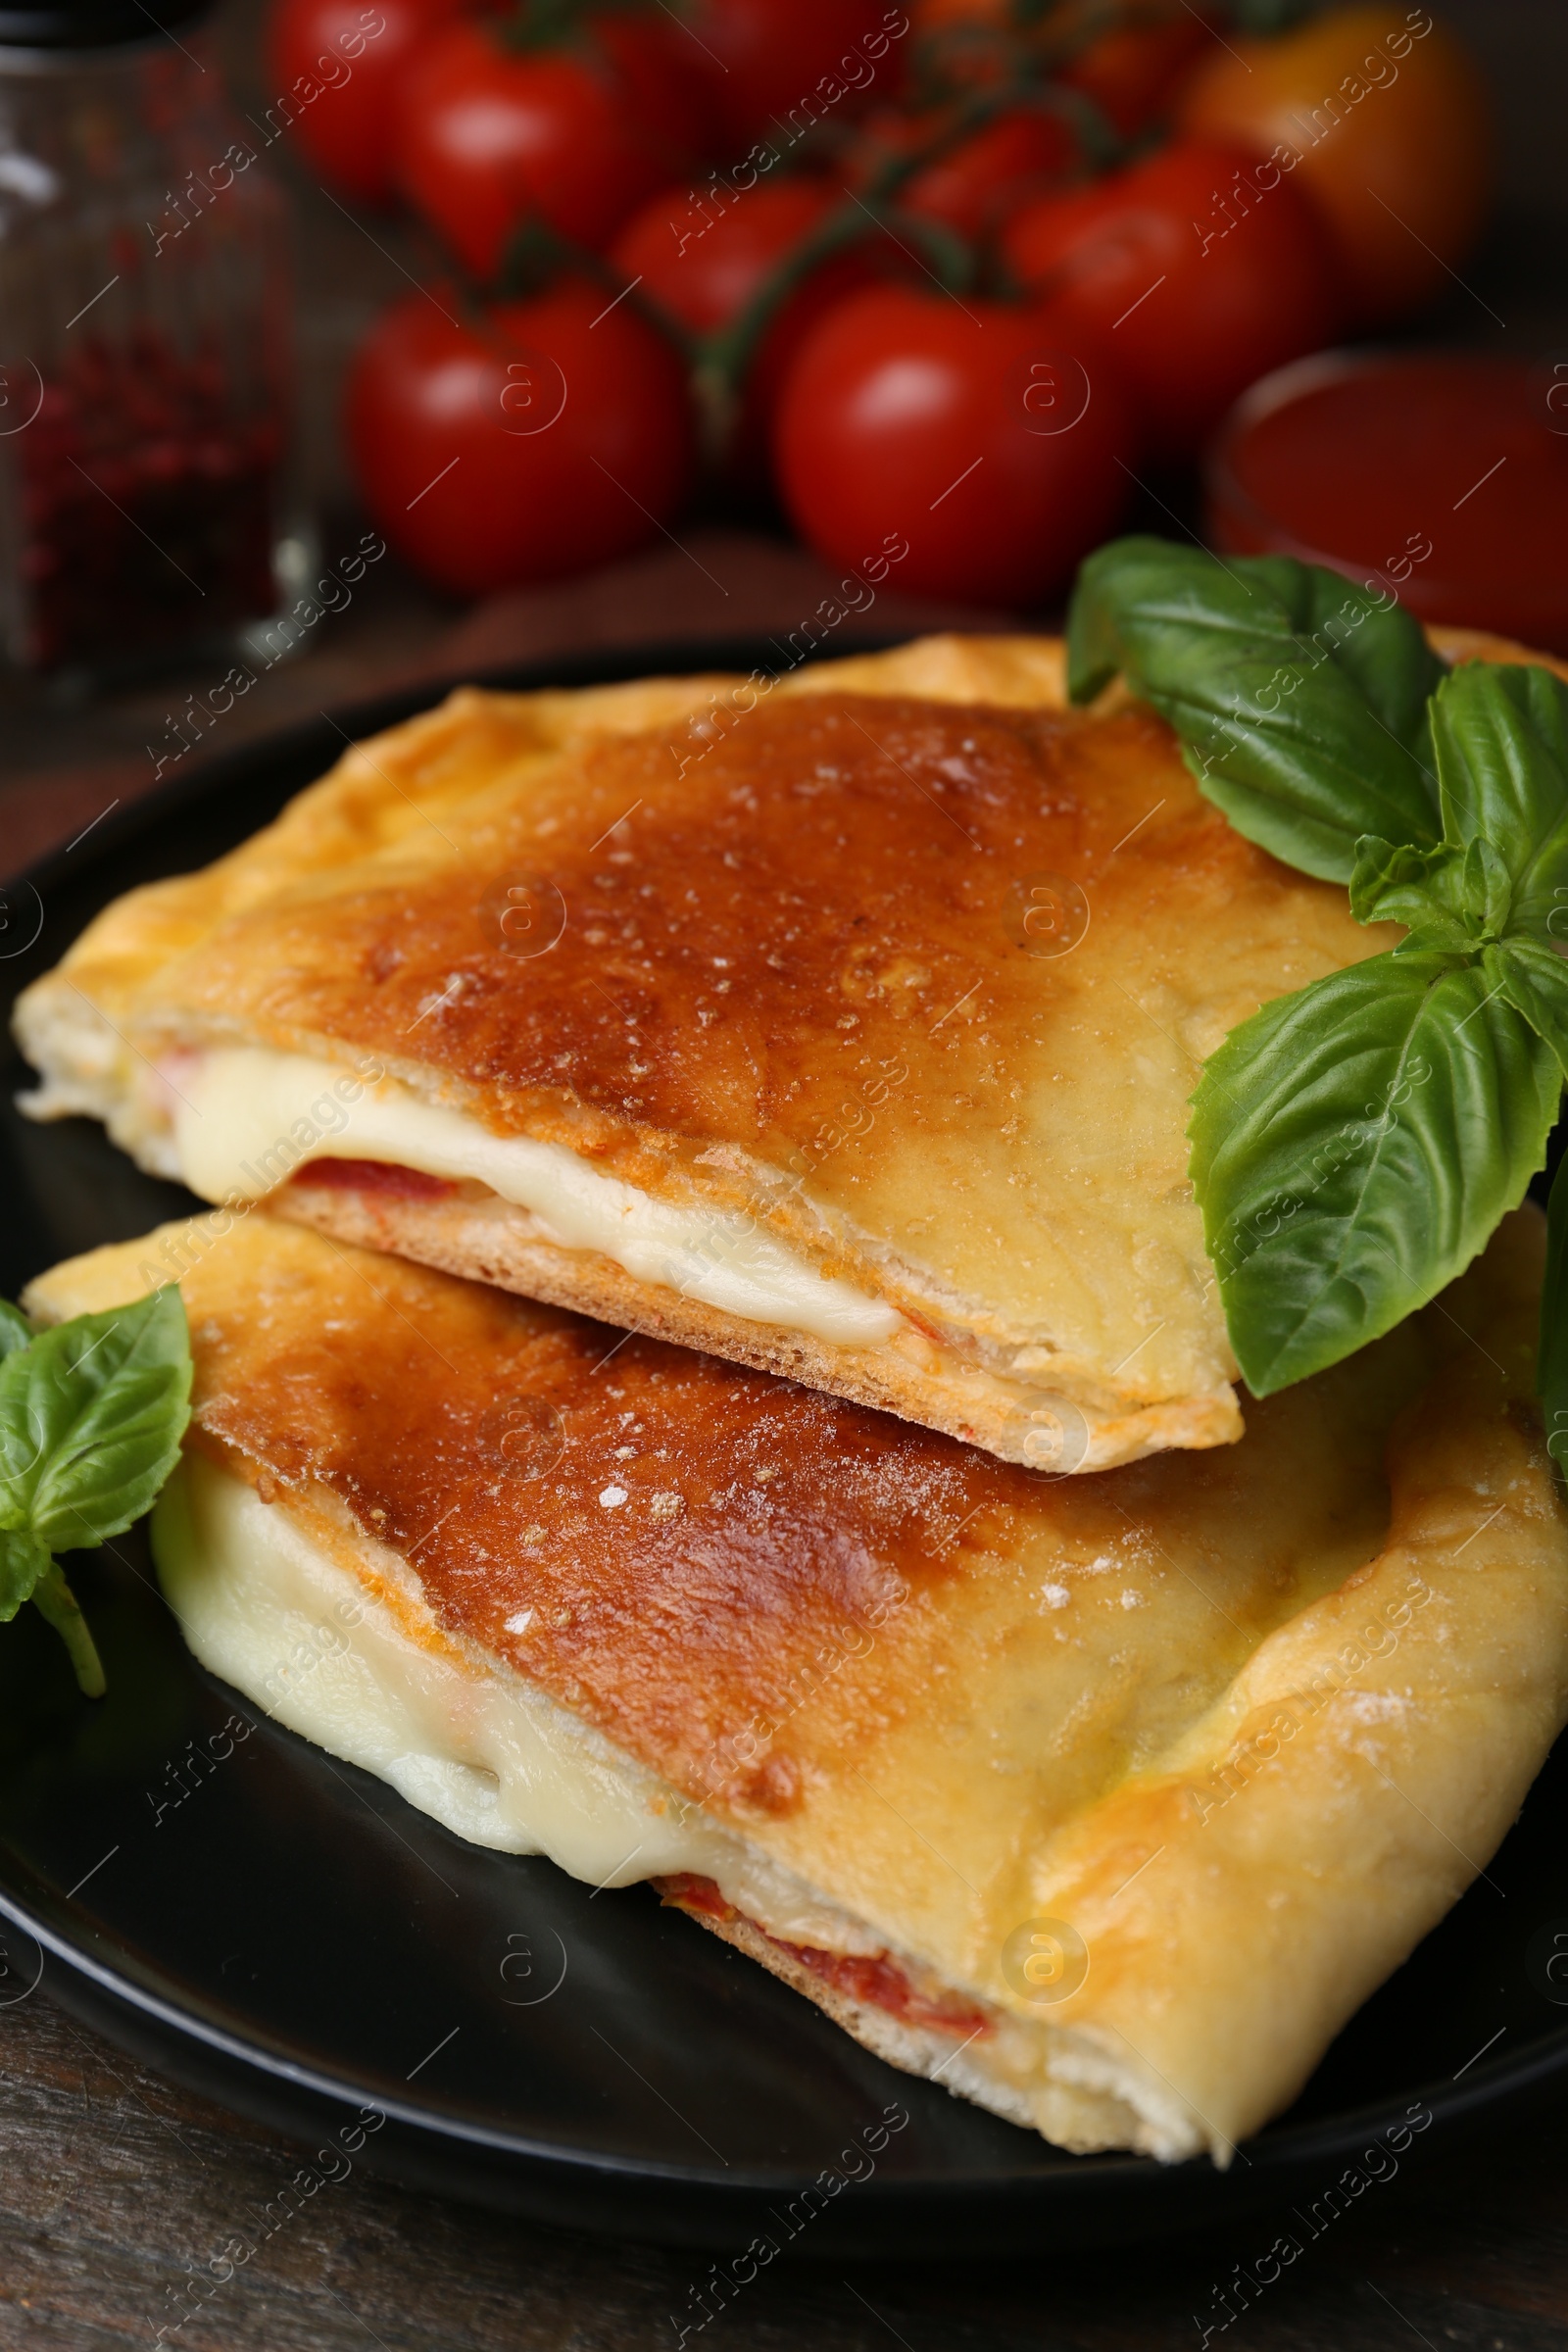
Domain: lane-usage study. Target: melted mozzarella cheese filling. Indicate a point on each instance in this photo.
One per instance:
(463, 1738)
(459, 1733)
(244, 1120)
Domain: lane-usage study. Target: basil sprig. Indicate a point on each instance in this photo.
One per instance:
(91, 1416)
(1300, 700)
(1354, 1144)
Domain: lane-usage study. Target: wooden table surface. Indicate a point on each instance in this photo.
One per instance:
(114, 2182)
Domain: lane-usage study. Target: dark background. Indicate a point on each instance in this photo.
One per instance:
(717, 581)
(112, 2181)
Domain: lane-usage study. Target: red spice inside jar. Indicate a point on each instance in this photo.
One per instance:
(146, 502)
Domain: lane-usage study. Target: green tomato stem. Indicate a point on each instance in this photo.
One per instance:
(62, 1609)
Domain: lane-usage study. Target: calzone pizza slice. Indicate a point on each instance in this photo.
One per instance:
(1103, 1802)
(843, 1027)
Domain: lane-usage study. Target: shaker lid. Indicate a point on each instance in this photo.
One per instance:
(90, 23)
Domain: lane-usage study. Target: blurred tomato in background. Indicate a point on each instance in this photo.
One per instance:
(967, 180)
(706, 273)
(542, 439)
(1132, 70)
(768, 61)
(1198, 269)
(346, 130)
(972, 430)
(1128, 61)
(488, 137)
(1385, 128)
(804, 251)
(662, 74)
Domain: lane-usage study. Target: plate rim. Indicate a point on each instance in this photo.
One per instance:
(1504, 2081)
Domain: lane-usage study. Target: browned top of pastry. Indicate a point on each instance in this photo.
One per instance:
(690, 1543)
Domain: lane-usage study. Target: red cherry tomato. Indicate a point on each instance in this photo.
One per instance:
(488, 136)
(966, 44)
(704, 262)
(555, 441)
(702, 254)
(660, 68)
(1136, 73)
(1197, 270)
(1389, 135)
(970, 435)
(774, 65)
(346, 129)
(972, 186)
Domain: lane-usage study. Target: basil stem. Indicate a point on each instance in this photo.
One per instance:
(59, 1605)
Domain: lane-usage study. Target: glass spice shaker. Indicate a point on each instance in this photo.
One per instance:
(147, 498)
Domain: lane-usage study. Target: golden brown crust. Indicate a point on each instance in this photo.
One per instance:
(1483, 645)
(1244, 1722)
(755, 1519)
(797, 983)
(773, 918)
(402, 786)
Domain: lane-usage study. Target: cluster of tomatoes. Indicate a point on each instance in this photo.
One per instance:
(940, 273)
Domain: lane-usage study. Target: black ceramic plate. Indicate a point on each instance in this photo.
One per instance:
(285, 1933)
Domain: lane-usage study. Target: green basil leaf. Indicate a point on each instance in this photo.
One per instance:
(91, 1416)
(1441, 937)
(1392, 883)
(1488, 886)
(1552, 1363)
(1501, 738)
(24, 1560)
(15, 1329)
(1307, 736)
(1534, 980)
(1382, 648)
(1450, 898)
(1354, 1147)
